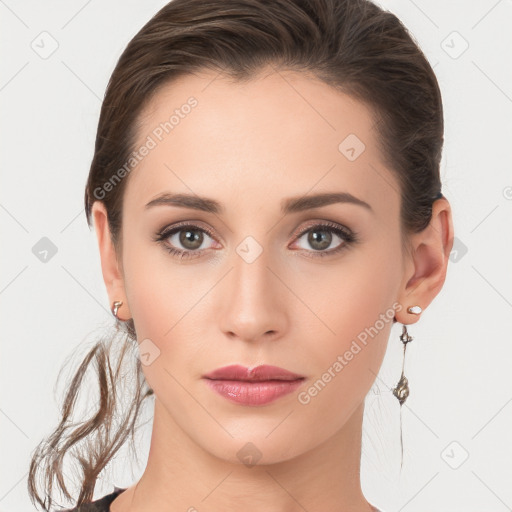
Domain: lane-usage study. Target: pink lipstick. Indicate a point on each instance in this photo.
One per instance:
(253, 386)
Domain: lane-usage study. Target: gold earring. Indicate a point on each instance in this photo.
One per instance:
(401, 390)
(116, 306)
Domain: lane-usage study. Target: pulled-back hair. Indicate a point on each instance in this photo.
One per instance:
(352, 45)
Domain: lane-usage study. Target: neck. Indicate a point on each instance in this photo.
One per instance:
(181, 475)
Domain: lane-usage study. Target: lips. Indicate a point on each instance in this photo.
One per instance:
(258, 386)
(258, 374)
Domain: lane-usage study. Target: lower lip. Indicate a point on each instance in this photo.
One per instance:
(253, 393)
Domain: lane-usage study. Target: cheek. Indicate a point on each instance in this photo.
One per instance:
(344, 364)
(356, 303)
(160, 305)
(154, 285)
(167, 303)
(353, 295)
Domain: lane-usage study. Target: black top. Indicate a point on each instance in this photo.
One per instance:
(100, 505)
(103, 504)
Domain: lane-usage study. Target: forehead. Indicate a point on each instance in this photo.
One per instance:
(280, 134)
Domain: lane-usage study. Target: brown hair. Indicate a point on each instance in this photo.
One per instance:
(352, 45)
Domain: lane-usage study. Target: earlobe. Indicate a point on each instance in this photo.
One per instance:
(430, 255)
(110, 268)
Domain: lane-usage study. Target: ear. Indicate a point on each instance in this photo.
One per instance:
(427, 262)
(112, 275)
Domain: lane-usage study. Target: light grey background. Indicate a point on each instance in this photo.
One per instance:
(457, 420)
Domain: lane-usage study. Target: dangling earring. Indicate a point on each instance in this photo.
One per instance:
(401, 391)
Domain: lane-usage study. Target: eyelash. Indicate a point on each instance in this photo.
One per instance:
(349, 237)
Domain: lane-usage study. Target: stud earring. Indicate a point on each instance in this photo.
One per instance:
(415, 310)
(116, 306)
(401, 390)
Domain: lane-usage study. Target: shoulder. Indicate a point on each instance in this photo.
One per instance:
(100, 505)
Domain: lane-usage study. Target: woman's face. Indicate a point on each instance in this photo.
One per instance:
(254, 280)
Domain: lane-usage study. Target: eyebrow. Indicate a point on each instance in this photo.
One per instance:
(291, 205)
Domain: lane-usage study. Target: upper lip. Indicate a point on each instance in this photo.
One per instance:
(259, 373)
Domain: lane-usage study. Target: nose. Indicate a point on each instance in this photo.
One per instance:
(253, 300)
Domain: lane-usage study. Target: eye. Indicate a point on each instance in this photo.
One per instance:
(321, 236)
(188, 240)
(190, 237)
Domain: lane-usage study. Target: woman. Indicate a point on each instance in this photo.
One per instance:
(266, 196)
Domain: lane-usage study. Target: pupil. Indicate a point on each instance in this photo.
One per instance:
(320, 242)
(191, 239)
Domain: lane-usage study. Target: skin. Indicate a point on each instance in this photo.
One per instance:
(249, 146)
